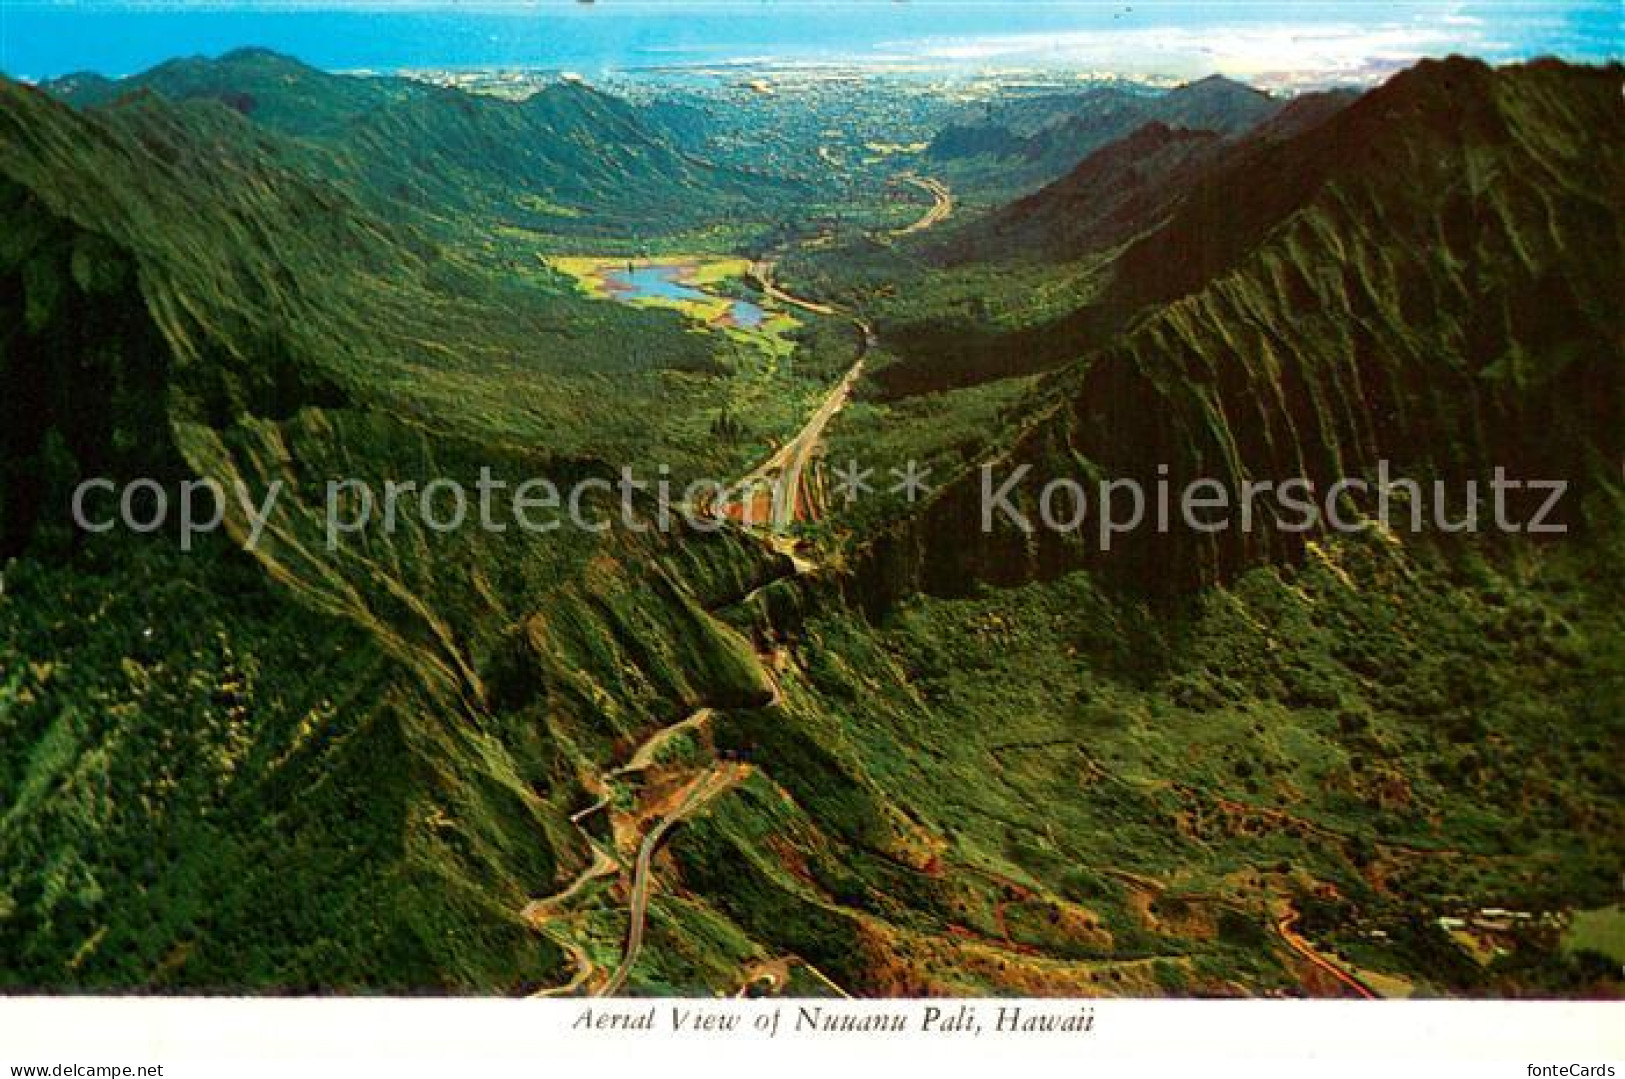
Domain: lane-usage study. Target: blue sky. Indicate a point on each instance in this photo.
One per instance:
(1276, 43)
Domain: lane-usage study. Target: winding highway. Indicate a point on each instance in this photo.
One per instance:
(602, 865)
(585, 968)
(781, 478)
(1285, 927)
(645, 754)
(783, 472)
(541, 913)
(942, 204)
(761, 272)
(710, 784)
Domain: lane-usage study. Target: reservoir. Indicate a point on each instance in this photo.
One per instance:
(664, 282)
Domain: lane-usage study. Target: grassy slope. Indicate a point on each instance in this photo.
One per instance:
(567, 159)
(1117, 798)
(1382, 735)
(1042, 787)
(260, 306)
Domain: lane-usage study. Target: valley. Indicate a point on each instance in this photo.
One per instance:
(813, 737)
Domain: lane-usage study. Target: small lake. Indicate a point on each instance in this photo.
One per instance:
(665, 283)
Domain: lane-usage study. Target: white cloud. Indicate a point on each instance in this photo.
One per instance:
(1284, 53)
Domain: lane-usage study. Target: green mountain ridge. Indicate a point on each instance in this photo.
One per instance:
(1371, 269)
(182, 304)
(565, 154)
(1025, 144)
(272, 89)
(1122, 189)
(947, 761)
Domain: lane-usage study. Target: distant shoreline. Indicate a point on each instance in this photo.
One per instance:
(1301, 48)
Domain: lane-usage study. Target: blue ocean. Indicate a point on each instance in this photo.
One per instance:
(45, 39)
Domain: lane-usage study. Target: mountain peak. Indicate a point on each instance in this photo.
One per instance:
(258, 54)
(1218, 84)
(1449, 74)
(251, 58)
(252, 52)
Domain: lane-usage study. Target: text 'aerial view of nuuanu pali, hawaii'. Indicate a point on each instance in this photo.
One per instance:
(857, 499)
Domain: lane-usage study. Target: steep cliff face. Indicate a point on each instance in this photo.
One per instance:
(1112, 195)
(1427, 156)
(84, 367)
(567, 157)
(360, 755)
(1027, 142)
(1127, 188)
(1428, 279)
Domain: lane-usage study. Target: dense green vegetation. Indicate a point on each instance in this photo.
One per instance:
(1013, 146)
(209, 788)
(568, 159)
(1424, 731)
(944, 760)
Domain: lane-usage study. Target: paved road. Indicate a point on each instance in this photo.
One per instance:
(1305, 949)
(602, 865)
(942, 204)
(793, 456)
(585, 968)
(782, 473)
(762, 273)
(539, 912)
(645, 754)
(586, 811)
(787, 464)
(708, 786)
